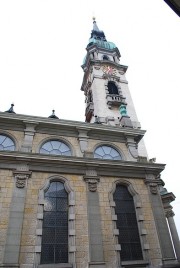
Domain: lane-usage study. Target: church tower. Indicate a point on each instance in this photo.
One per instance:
(108, 100)
(107, 96)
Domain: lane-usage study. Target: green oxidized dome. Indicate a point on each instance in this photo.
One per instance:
(98, 38)
(101, 43)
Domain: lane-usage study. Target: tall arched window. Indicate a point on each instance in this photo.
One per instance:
(127, 224)
(54, 248)
(112, 88)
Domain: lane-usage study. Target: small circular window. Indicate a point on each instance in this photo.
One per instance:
(107, 152)
(56, 148)
(6, 144)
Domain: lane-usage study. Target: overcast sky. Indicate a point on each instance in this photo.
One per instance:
(42, 46)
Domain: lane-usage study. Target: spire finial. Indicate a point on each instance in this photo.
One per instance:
(95, 27)
(11, 110)
(53, 115)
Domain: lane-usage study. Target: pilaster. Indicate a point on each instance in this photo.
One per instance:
(13, 239)
(29, 132)
(160, 219)
(167, 198)
(94, 220)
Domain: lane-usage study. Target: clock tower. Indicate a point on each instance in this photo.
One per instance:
(108, 100)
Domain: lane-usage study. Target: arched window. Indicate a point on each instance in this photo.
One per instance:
(105, 57)
(112, 88)
(54, 248)
(107, 152)
(127, 224)
(55, 147)
(6, 144)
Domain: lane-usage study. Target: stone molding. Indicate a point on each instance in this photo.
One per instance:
(21, 178)
(67, 127)
(76, 165)
(132, 147)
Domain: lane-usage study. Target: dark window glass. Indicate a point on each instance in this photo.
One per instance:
(105, 57)
(127, 225)
(6, 144)
(56, 148)
(107, 152)
(112, 88)
(55, 225)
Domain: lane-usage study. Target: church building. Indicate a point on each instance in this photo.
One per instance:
(84, 194)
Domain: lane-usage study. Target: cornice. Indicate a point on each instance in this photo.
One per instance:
(68, 127)
(78, 165)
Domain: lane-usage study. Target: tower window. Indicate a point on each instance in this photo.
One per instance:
(105, 57)
(112, 88)
(55, 147)
(127, 225)
(55, 225)
(6, 144)
(107, 152)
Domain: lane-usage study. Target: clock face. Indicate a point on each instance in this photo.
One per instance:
(109, 70)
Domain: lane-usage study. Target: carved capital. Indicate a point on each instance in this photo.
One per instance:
(21, 177)
(153, 184)
(92, 180)
(153, 188)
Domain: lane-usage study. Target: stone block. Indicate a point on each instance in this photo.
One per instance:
(72, 232)
(96, 253)
(116, 232)
(114, 217)
(38, 231)
(97, 265)
(96, 239)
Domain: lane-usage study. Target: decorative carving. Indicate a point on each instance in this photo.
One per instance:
(21, 177)
(21, 180)
(169, 213)
(92, 180)
(92, 185)
(153, 188)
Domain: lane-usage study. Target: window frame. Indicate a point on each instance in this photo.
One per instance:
(115, 86)
(140, 223)
(55, 138)
(48, 228)
(71, 223)
(113, 147)
(11, 138)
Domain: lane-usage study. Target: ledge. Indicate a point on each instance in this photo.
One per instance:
(54, 265)
(78, 165)
(138, 263)
(69, 128)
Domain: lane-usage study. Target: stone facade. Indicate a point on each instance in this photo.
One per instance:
(24, 174)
